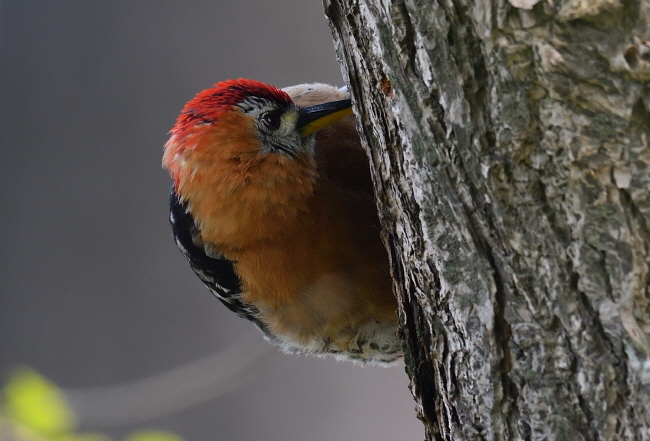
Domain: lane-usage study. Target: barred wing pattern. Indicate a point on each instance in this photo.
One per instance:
(216, 272)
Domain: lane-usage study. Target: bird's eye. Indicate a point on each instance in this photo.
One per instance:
(272, 120)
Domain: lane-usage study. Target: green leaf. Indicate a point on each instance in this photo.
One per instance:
(37, 403)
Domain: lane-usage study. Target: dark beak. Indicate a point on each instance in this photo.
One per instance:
(311, 119)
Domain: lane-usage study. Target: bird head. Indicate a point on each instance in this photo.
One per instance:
(242, 129)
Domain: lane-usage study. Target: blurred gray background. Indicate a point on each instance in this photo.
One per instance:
(93, 291)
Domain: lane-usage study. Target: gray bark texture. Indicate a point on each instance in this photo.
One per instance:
(509, 147)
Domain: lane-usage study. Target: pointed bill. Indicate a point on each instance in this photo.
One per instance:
(314, 118)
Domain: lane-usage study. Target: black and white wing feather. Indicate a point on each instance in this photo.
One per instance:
(216, 272)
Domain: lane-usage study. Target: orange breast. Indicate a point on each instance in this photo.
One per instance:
(326, 272)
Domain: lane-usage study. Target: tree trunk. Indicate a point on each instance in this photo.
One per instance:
(509, 146)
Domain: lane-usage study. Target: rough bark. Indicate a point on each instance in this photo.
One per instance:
(509, 147)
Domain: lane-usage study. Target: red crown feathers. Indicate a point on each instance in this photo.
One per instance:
(206, 106)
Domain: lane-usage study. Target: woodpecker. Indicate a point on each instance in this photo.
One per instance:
(272, 204)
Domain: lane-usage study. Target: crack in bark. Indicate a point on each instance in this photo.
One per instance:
(409, 39)
(618, 362)
(419, 344)
(562, 234)
(502, 331)
(483, 242)
(582, 403)
(635, 219)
